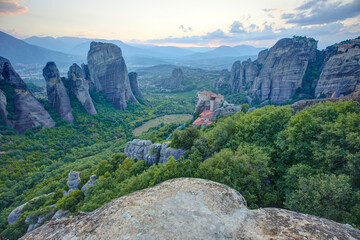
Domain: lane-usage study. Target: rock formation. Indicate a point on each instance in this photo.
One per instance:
(151, 153)
(56, 91)
(91, 182)
(27, 111)
(3, 112)
(223, 80)
(73, 182)
(80, 87)
(134, 85)
(277, 72)
(300, 105)
(17, 212)
(341, 72)
(36, 220)
(188, 208)
(109, 73)
(175, 80)
(87, 77)
(224, 111)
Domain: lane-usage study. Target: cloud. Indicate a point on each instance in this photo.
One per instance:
(11, 7)
(185, 29)
(317, 12)
(237, 27)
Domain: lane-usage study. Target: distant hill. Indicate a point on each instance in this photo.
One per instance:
(226, 52)
(20, 52)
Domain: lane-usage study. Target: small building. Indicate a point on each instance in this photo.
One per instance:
(203, 119)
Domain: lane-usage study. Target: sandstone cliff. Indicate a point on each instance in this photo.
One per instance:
(109, 73)
(188, 208)
(80, 87)
(341, 72)
(27, 110)
(56, 91)
(134, 85)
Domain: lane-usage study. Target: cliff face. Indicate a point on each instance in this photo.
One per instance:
(30, 113)
(188, 208)
(109, 73)
(56, 91)
(80, 87)
(134, 85)
(341, 72)
(277, 72)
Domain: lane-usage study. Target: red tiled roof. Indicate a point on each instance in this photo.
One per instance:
(199, 121)
(206, 114)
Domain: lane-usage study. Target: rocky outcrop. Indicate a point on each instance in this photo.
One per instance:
(167, 151)
(17, 212)
(87, 77)
(109, 73)
(35, 221)
(3, 112)
(27, 111)
(151, 153)
(73, 182)
(223, 81)
(60, 214)
(224, 111)
(175, 80)
(277, 72)
(341, 72)
(188, 208)
(80, 87)
(134, 85)
(91, 182)
(56, 91)
(243, 75)
(300, 105)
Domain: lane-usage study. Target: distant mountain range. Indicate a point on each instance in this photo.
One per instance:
(66, 50)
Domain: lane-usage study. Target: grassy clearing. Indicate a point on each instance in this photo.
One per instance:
(167, 119)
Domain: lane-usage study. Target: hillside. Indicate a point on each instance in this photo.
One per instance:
(20, 52)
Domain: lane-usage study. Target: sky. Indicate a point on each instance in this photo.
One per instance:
(184, 23)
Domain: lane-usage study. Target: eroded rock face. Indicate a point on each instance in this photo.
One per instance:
(3, 112)
(300, 105)
(341, 72)
(87, 77)
(30, 113)
(80, 87)
(56, 91)
(188, 208)
(109, 73)
(277, 72)
(15, 214)
(73, 182)
(134, 85)
(151, 153)
(224, 111)
(91, 182)
(175, 80)
(36, 220)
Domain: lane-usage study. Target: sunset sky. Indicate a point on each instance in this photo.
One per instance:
(185, 22)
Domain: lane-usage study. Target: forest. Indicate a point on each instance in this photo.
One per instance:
(306, 161)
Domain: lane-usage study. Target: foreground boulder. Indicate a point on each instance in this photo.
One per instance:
(27, 112)
(56, 91)
(109, 73)
(80, 87)
(188, 208)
